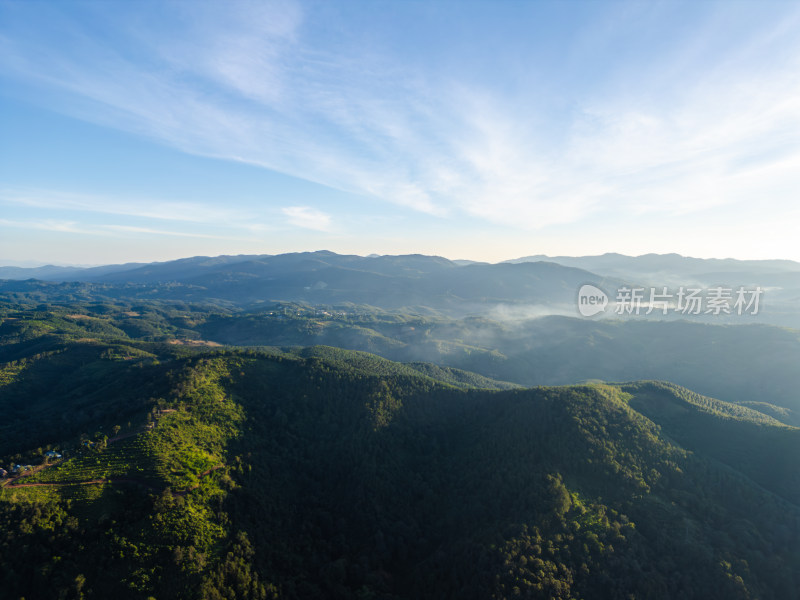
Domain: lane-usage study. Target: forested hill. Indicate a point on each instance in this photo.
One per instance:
(749, 364)
(197, 472)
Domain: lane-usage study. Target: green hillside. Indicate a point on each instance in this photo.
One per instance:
(194, 472)
(744, 363)
(751, 442)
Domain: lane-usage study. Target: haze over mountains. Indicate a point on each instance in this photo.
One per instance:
(516, 322)
(609, 264)
(531, 286)
(665, 264)
(324, 277)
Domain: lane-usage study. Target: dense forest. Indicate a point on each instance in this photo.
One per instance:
(151, 469)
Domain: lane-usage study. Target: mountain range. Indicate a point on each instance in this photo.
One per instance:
(314, 425)
(456, 288)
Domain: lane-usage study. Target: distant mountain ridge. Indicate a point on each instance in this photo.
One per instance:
(676, 262)
(324, 277)
(183, 268)
(538, 284)
(613, 264)
(676, 270)
(59, 273)
(780, 279)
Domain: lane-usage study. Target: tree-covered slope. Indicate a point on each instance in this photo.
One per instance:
(746, 363)
(749, 441)
(753, 365)
(207, 473)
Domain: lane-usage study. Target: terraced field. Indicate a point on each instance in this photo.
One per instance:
(130, 458)
(167, 456)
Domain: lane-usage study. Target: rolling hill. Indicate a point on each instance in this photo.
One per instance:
(202, 472)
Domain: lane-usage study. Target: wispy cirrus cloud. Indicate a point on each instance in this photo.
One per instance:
(151, 231)
(147, 208)
(245, 82)
(307, 218)
(53, 225)
(101, 229)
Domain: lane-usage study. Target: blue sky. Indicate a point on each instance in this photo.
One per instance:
(139, 131)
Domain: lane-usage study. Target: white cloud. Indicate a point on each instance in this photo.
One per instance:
(149, 230)
(49, 225)
(241, 83)
(307, 218)
(150, 208)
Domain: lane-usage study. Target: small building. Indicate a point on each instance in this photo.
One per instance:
(52, 454)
